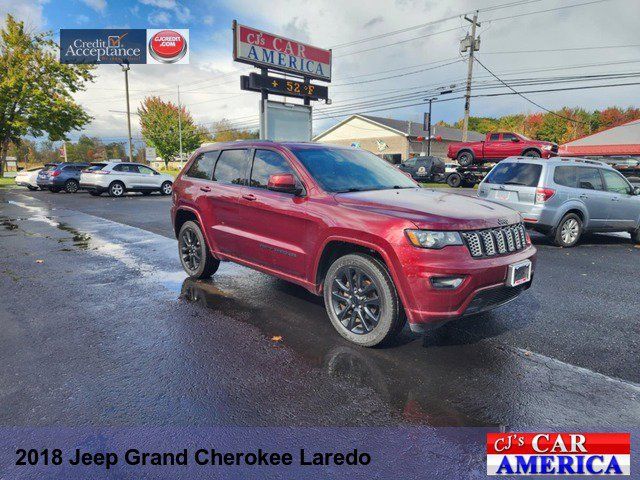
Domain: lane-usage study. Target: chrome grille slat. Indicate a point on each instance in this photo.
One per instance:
(495, 241)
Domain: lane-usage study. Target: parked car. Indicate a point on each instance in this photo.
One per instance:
(424, 169)
(498, 146)
(117, 178)
(61, 176)
(565, 197)
(28, 178)
(347, 225)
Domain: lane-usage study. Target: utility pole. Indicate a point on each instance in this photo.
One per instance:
(180, 123)
(473, 45)
(429, 129)
(125, 69)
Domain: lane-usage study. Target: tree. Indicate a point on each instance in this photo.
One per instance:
(35, 89)
(160, 123)
(223, 131)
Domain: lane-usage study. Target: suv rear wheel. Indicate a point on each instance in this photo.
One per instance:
(635, 237)
(361, 300)
(569, 231)
(195, 257)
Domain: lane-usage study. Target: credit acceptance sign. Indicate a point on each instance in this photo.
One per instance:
(132, 46)
(266, 50)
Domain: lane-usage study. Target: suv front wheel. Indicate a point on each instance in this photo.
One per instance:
(362, 301)
(195, 257)
(569, 231)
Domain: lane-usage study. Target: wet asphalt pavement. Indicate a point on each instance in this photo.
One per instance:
(99, 326)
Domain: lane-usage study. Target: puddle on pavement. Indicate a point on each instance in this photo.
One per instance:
(361, 368)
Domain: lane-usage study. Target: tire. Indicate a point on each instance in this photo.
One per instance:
(166, 188)
(54, 189)
(32, 188)
(194, 254)
(364, 323)
(116, 189)
(569, 231)
(531, 153)
(95, 194)
(635, 237)
(465, 159)
(454, 180)
(71, 186)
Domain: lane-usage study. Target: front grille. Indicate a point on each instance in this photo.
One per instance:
(495, 241)
(490, 299)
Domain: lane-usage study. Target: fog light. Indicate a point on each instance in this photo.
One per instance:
(446, 283)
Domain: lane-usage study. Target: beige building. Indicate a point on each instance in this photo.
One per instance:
(393, 140)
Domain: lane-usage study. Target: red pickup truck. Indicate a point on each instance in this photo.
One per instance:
(498, 146)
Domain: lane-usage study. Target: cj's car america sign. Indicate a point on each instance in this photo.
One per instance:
(132, 46)
(563, 454)
(266, 50)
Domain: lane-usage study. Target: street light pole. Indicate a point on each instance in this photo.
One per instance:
(429, 130)
(180, 123)
(125, 69)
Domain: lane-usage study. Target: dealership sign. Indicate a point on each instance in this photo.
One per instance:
(266, 50)
(132, 46)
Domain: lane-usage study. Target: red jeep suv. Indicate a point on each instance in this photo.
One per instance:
(345, 224)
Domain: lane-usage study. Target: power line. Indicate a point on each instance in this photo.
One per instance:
(527, 99)
(604, 47)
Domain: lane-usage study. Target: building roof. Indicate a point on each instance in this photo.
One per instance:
(621, 140)
(414, 129)
(410, 129)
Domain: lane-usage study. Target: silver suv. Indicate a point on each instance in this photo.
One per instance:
(565, 197)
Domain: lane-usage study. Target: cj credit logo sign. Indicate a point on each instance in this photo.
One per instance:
(132, 46)
(566, 454)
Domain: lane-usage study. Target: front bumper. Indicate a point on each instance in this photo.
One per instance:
(483, 287)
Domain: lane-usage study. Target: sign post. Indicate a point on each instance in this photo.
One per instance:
(269, 52)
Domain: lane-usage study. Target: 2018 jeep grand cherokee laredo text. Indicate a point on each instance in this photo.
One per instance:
(345, 224)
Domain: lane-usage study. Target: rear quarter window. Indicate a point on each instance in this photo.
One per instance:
(566, 176)
(511, 173)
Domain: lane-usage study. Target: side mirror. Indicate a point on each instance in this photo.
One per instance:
(283, 182)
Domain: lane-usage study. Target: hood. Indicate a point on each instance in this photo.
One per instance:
(432, 209)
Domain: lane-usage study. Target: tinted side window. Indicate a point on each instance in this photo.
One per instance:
(567, 176)
(521, 174)
(126, 167)
(230, 167)
(202, 167)
(589, 179)
(508, 137)
(494, 137)
(266, 163)
(145, 170)
(616, 182)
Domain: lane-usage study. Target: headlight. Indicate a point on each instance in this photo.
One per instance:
(431, 239)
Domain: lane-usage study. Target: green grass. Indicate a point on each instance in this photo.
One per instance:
(173, 172)
(7, 182)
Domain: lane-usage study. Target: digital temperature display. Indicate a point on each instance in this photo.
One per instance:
(283, 86)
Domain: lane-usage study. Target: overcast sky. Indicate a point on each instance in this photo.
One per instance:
(210, 84)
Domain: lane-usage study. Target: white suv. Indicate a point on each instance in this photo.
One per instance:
(120, 177)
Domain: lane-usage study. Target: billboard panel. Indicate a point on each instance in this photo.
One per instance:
(103, 46)
(132, 46)
(283, 122)
(266, 50)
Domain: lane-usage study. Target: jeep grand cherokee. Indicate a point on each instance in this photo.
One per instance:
(345, 224)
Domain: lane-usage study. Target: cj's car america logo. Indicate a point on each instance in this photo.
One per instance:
(558, 454)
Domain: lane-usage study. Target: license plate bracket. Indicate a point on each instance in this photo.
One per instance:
(519, 273)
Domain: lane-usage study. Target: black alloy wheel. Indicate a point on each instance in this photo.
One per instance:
(361, 300)
(355, 300)
(195, 257)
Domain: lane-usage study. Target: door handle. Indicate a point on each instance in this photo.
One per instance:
(205, 189)
(583, 196)
(249, 196)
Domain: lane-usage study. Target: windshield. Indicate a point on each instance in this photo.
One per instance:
(345, 170)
